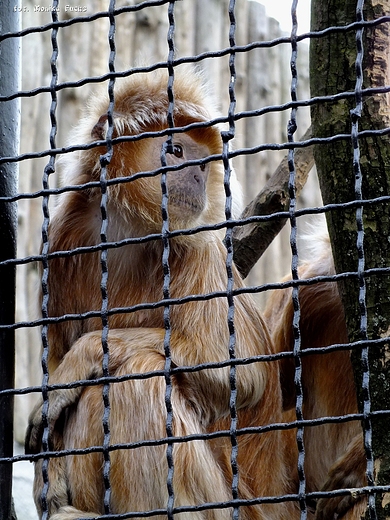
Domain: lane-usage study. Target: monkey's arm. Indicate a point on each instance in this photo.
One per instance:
(208, 390)
(84, 362)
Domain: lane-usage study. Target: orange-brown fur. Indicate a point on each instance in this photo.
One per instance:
(199, 332)
(134, 210)
(334, 455)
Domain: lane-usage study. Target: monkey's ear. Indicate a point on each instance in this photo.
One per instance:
(99, 130)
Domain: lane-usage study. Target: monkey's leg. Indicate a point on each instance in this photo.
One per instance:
(139, 474)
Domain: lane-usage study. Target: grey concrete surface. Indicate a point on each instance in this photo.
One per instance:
(23, 473)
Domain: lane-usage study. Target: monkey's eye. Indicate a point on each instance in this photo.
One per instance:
(178, 151)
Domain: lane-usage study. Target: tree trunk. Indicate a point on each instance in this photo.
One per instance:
(334, 70)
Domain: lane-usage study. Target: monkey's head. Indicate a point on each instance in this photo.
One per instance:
(195, 185)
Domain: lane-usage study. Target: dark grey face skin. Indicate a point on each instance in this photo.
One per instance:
(187, 187)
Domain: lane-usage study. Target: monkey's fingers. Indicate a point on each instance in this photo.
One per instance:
(347, 473)
(338, 507)
(33, 438)
(70, 513)
(59, 400)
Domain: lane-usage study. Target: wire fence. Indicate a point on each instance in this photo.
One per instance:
(164, 389)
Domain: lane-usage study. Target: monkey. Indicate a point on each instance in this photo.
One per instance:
(200, 329)
(144, 109)
(334, 455)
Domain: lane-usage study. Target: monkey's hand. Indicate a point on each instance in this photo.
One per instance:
(83, 362)
(348, 472)
(78, 364)
(59, 400)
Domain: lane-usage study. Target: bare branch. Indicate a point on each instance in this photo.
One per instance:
(251, 240)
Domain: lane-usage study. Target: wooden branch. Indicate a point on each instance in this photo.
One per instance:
(251, 240)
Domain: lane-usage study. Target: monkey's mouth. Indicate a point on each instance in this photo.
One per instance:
(186, 205)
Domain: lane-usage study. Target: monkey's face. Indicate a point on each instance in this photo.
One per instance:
(187, 186)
